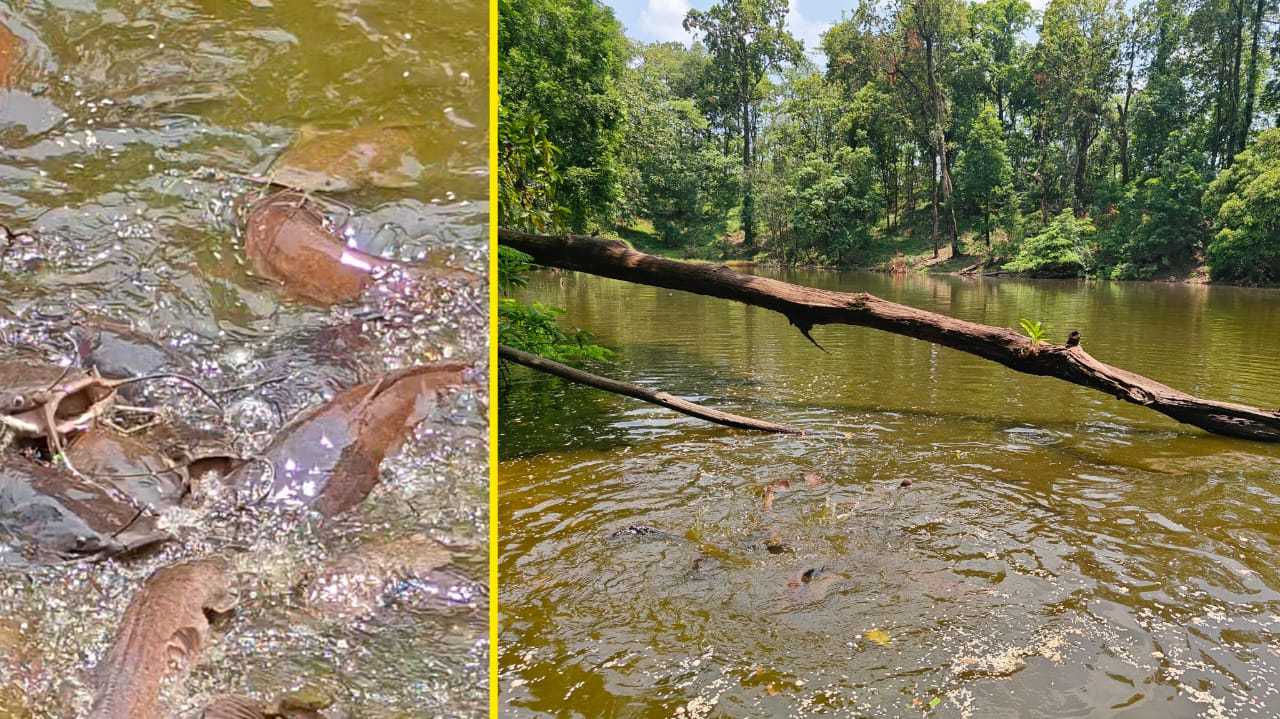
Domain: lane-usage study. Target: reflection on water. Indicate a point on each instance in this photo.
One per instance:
(1056, 553)
(127, 132)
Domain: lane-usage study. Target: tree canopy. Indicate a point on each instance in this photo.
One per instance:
(915, 126)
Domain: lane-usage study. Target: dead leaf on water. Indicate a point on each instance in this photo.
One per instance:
(879, 636)
(10, 54)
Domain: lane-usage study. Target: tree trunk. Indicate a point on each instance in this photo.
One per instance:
(1237, 52)
(934, 176)
(951, 205)
(1080, 180)
(662, 399)
(938, 108)
(911, 184)
(1250, 90)
(806, 307)
(1041, 174)
(748, 201)
(1123, 112)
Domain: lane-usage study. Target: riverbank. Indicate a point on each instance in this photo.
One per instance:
(909, 249)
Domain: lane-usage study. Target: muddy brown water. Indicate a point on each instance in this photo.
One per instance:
(1057, 553)
(126, 129)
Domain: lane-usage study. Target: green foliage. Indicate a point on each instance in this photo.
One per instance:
(832, 208)
(1034, 330)
(1122, 112)
(746, 40)
(677, 177)
(528, 178)
(1160, 225)
(534, 328)
(513, 269)
(1061, 250)
(983, 171)
(1244, 202)
(559, 61)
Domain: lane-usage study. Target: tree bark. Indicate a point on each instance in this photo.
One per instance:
(951, 206)
(1237, 52)
(806, 307)
(635, 391)
(1246, 122)
(748, 198)
(1122, 110)
(934, 176)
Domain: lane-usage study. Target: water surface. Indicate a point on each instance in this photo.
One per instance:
(1057, 552)
(128, 130)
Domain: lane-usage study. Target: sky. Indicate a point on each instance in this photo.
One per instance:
(660, 20)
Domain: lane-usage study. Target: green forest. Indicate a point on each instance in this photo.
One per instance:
(1097, 138)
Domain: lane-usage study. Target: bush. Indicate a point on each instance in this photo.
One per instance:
(1160, 225)
(534, 328)
(830, 209)
(1244, 201)
(1061, 250)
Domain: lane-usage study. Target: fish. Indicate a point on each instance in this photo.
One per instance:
(39, 399)
(328, 459)
(139, 470)
(366, 578)
(163, 632)
(117, 350)
(233, 707)
(11, 52)
(196, 451)
(52, 402)
(643, 530)
(54, 515)
(345, 160)
(289, 241)
(813, 585)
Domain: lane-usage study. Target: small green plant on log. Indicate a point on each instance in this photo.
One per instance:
(1034, 331)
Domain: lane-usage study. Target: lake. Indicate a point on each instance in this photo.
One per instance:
(1057, 552)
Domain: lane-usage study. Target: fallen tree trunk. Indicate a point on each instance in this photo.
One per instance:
(662, 399)
(807, 306)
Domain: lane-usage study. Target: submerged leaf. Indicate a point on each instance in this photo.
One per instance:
(879, 636)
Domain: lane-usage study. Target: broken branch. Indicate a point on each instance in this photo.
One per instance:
(635, 391)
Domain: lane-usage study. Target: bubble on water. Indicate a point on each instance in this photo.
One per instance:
(238, 358)
(252, 415)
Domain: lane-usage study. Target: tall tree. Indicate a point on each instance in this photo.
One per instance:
(675, 175)
(561, 60)
(1075, 66)
(928, 30)
(747, 39)
(1260, 8)
(998, 27)
(983, 167)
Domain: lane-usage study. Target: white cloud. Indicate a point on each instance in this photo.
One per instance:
(810, 31)
(664, 20)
